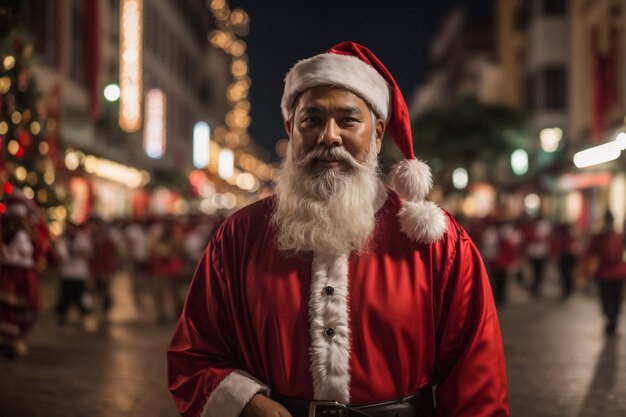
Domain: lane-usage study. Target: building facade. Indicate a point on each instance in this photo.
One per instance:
(79, 52)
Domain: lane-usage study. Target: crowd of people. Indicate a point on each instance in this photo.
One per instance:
(161, 253)
(511, 246)
(158, 253)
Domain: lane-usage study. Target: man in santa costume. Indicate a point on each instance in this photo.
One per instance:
(338, 296)
(19, 279)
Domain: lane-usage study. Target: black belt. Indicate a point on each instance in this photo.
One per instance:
(420, 404)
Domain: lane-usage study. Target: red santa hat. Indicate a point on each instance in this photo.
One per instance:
(17, 204)
(355, 68)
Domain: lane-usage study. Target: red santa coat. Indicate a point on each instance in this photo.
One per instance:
(608, 248)
(405, 316)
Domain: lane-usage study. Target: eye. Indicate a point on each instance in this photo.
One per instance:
(311, 121)
(349, 121)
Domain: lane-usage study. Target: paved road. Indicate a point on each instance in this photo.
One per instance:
(559, 363)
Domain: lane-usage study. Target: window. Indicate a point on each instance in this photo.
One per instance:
(555, 85)
(42, 20)
(77, 43)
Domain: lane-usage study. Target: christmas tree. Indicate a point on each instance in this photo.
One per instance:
(28, 150)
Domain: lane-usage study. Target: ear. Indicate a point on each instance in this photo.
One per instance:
(288, 127)
(380, 131)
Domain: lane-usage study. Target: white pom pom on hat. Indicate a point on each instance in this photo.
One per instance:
(356, 68)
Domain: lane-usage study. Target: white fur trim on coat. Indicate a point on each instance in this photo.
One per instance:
(422, 221)
(232, 394)
(330, 355)
(19, 252)
(340, 70)
(411, 179)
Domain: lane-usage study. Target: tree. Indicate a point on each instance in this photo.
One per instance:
(28, 150)
(469, 132)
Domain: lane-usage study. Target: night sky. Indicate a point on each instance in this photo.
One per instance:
(282, 32)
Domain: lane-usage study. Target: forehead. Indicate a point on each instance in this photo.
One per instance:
(325, 96)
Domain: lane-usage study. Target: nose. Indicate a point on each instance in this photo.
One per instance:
(330, 135)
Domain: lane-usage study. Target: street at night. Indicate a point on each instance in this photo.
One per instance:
(238, 208)
(559, 364)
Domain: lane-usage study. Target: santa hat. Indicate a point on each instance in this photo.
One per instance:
(17, 204)
(356, 68)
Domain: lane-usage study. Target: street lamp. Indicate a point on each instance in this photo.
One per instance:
(460, 178)
(519, 162)
(112, 92)
(550, 139)
(201, 149)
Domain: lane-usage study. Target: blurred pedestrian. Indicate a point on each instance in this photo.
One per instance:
(19, 281)
(604, 262)
(338, 296)
(137, 242)
(74, 250)
(195, 239)
(502, 241)
(566, 249)
(537, 248)
(102, 262)
(166, 268)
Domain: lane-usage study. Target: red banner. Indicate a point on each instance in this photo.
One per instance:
(605, 80)
(92, 54)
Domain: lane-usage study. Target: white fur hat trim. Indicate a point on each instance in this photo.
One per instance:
(411, 179)
(340, 70)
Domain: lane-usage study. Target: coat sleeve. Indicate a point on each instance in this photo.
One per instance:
(203, 372)
(470, 371)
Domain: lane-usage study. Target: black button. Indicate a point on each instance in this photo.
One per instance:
(329, 290)
(330, 332)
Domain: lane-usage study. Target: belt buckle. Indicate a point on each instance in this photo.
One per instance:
(327, 409)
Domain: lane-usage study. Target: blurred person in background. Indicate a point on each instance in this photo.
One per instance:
(122, 255)
(603, 261)
(337, 288)
(102, 263)
(566, 249)
(19, 280)
(537, 248)
(504, 256)
(165, 260)
(137, 241)
(195, 239)
(74, 249)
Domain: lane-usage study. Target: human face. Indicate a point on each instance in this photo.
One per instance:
(328, 117)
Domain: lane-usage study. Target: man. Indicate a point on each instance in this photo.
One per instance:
(336, 297)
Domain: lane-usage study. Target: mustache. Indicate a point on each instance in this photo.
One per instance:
(337, 153)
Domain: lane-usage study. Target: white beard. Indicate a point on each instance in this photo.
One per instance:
(330, 212)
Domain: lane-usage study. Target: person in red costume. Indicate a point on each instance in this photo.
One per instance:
(339, 296)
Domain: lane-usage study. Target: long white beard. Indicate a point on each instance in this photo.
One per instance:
(330, 212)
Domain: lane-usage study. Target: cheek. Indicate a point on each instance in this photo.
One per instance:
(359, 146)
(300, 144)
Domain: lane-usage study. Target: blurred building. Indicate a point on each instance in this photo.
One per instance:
(181, 79)
(560, 62)
(462, 62)
(564, 62)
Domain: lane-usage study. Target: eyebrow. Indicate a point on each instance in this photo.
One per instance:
(349, 110)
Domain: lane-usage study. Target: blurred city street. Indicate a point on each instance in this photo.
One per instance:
(559, 362)
(117, 370)
(272, 144)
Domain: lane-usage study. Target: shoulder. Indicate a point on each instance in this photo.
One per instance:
(248, 220)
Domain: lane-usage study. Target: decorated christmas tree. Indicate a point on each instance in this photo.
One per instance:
(28, 150)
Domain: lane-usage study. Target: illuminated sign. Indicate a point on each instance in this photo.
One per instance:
(154, 130)
(131, 25)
